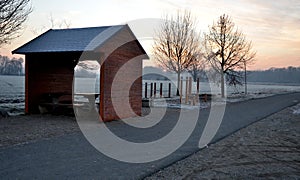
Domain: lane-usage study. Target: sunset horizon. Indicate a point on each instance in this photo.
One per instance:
(273, 27)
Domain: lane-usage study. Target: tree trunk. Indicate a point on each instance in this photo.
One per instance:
(195, 76)
(178, 83)
(222, 85)
(245, 79)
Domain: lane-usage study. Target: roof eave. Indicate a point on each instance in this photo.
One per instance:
(39, 52)
(146, 57)
(17, 51)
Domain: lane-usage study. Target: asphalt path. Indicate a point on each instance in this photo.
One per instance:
(72, 156)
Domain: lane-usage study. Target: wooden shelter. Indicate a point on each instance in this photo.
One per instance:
(51, 57)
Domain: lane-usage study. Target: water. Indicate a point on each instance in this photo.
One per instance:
(12, 90)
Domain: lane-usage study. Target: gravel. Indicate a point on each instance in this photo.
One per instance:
(24, 129)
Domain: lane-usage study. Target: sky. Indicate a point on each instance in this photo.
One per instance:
(272, 26)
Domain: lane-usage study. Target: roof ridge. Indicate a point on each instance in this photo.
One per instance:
(92, 27)
(72, 40)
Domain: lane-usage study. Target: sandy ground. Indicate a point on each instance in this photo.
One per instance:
(268, 149)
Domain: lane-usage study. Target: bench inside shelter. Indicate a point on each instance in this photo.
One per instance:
(56, 103)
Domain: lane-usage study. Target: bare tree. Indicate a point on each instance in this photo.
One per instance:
(13, 14)
(53, 23)
(227, 50)
(177, 44)
(197, 66)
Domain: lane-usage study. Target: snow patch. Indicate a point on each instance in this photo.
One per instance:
(297, 111)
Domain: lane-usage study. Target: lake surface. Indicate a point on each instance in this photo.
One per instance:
(12, 89)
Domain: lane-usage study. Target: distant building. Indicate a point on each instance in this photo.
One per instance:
(51, 57)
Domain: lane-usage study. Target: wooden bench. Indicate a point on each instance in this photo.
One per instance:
(205, 97)
(56, 103)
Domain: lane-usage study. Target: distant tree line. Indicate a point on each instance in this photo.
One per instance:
(276, 75)
(289, 75)
(11, 66)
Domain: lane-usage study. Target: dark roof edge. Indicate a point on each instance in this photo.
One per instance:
(57, 52)
(15, 51)
(139, 44)
(88, 27)
(122, 26)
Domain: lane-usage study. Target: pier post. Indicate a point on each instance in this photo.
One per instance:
(180, 89)
(151, 90)
(169, 94)
(186, 90)
(160, 90)
(146, 90)
(198, 85)
(155, 90)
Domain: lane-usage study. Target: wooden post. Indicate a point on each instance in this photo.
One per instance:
(186, 89)
(180, 89)
(146, 85)
(190, 90)
(151, 90)
(155, 89)
(169, 94)
(190, 86)
(160, 90)
(198, 85)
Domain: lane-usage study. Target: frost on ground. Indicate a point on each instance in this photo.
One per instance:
(216, 100)
(268, 149)
(23, 129)
(296, 109)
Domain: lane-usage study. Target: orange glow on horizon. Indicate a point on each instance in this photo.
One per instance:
(272, 26)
